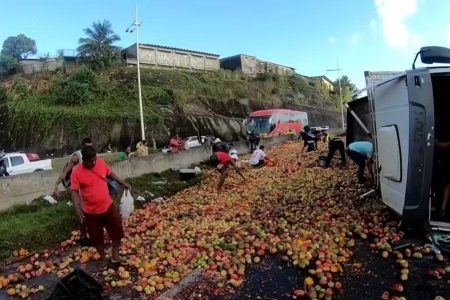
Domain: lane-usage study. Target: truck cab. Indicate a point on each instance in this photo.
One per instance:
(22, 163)
(405, 115)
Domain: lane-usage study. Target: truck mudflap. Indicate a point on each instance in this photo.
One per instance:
(421, 144)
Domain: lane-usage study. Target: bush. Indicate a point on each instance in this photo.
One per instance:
(19, 88)
(78, 88)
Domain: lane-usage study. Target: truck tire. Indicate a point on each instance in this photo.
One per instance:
(38, 170)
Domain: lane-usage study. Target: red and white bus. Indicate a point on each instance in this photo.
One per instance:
(274, 122)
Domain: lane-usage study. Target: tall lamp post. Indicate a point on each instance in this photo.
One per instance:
(340, 91)
(135, 26)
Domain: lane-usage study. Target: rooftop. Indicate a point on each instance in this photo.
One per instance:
(237, 55)
(322, 76)
(177, 49)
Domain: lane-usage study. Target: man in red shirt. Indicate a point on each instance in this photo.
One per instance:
(98, 210)
(223, 160)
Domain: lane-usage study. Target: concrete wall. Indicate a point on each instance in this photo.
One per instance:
(172, 58)
(31, 66)
(250, 65)
(21, 189)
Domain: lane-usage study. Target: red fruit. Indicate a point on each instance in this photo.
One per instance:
(338, 285)
(397, 287)
(441, 271)
(385, 295)
(299, 293)
(434, 274)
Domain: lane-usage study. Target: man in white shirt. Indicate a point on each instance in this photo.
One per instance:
(257, 158)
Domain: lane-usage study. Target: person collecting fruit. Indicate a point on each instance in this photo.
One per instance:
(361, 152)
(64, 178)
(88, 181)
(223, 161)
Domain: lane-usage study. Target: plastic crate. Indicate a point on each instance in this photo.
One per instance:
(78, 285)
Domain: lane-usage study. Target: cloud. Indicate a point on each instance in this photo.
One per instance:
(393, 15)
(373, 25)
(332, 40)
(355, 39)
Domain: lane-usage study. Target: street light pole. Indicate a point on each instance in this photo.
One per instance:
(340, 91)
(135, 26)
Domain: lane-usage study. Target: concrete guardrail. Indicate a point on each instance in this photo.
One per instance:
(21, 189)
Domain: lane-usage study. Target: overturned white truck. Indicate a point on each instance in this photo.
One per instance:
(405, 114)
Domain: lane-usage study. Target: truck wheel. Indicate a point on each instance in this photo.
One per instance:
(38, 170)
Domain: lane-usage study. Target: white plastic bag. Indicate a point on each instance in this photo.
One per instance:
(126, 204)
(50, 200)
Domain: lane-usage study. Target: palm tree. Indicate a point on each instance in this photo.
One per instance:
(98, 45)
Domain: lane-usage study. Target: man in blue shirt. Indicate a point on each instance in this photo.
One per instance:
(361, 153)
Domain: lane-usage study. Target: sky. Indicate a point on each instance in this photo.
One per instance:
(312, 36)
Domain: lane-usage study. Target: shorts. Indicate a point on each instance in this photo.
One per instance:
(109, 220)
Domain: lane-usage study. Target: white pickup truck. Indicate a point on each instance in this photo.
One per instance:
(21, 163)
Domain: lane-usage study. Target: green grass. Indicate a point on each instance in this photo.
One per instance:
(40, 225)
(35, 226)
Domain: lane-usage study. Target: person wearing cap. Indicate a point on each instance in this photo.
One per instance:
(223, 161)
(234, 155)
(258, 157)
(218, 145)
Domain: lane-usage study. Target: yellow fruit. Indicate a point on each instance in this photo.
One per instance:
(11, 291)
(309, 281)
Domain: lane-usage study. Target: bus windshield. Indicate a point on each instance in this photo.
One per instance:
(259, 125)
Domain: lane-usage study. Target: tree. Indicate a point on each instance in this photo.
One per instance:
(8, 64)
(346, 84)
(15, 49)
(347, 88)
(19, 47)
(98, 46)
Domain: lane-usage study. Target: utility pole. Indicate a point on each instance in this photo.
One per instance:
(135, 26)
(340, 91)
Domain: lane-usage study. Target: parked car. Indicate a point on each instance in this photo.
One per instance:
(192, 142)
(21, 163)
(320, 128)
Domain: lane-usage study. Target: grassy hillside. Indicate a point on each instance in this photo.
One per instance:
(80, 98)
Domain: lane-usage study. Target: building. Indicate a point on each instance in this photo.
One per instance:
(324, 80)
(252, 66)
(29, 66)
(162, 57)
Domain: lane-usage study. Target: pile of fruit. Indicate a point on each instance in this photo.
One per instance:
(307, 215)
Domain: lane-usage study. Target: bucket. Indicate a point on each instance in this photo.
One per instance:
(322, 161)
(186, 174)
